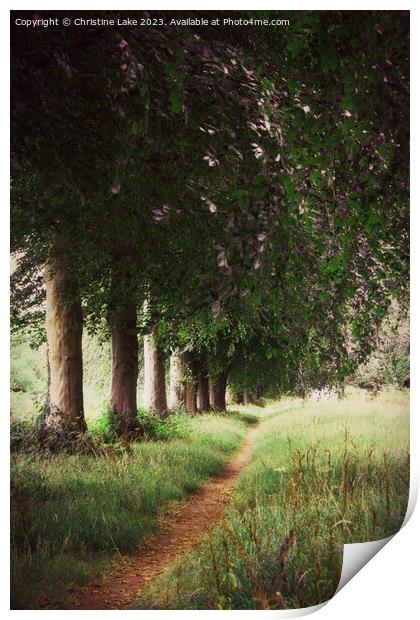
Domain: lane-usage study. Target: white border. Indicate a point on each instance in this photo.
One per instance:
(387, 585)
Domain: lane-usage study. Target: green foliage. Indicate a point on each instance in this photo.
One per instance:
(401, 362)
(151, 426)
(68, 509)
(25, 435)
(105, 425)
(389, 362)
(28, 377)
(173, 426)
(264, 243)
(331, 472)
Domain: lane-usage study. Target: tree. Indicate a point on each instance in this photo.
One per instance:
(154, 375)
(64, 416)
(254, 189)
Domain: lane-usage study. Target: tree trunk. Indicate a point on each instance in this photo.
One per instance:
(189, 381)
(203, 394)
(239, 398)
(191, 398)
(203, 388)
(154, 375)
(218, 392)
(176, 385)
(259, 393)
(124, 365)
(247, 399)
(64, 418)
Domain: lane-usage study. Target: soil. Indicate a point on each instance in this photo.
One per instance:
(183, 531)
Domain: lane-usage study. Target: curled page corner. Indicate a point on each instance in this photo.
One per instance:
(300, 611)
(356, 556)
(412, 498)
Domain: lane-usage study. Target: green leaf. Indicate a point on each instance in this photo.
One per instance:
(372, 221)
(233, 580)
(240, 193)
(266, 84)
(334, 264)
(176, 101)
(289, 187)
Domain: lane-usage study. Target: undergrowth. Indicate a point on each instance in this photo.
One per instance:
(72, 513)
(27, 435)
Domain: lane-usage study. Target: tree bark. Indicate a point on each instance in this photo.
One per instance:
(191, 398)
(124, 365)
(64, 417)
(218, 392)
(189, 381)
(203, 388)
(154, 375)
(259, 393)
(176, 385)
(203, 394)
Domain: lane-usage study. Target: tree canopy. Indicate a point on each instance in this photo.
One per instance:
(251, 184)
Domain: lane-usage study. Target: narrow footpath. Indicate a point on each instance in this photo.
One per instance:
(183, 531)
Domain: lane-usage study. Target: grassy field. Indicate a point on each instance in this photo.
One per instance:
(323, 473)
(72, 514)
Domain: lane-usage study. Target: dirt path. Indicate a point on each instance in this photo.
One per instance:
(184, 531)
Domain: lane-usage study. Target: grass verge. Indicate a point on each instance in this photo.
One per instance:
(323, 474)
(72, 514)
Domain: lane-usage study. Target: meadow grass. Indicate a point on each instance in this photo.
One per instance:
(323, 473)
(72, 514)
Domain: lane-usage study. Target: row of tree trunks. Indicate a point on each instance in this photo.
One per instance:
(190, 386)
(245, 398)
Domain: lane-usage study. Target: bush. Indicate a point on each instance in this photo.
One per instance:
(25, 435)
(174, 426)
(151, 426)
(105, 424)
(401, 368)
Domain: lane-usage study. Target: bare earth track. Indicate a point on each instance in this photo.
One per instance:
(184, 531)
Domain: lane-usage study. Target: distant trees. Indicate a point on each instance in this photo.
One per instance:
(253, 189)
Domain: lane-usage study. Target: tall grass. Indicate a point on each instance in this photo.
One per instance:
(323, 474)
(72, 514)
